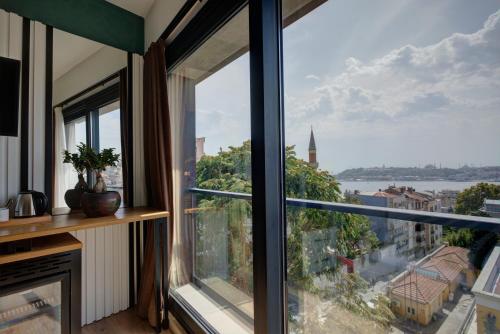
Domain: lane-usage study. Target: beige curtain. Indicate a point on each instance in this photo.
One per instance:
(180, 97)
(62, 172)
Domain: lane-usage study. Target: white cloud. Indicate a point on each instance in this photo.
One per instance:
(312, 77)
(459, 75)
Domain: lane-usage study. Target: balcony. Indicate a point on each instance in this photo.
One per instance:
(326, 278)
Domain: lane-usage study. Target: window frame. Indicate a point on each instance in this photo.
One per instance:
(268, 147)
(270, 281)
(89, 108)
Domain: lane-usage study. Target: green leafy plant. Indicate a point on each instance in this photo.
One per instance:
(76, 160)
(97, 162)
(80, 167)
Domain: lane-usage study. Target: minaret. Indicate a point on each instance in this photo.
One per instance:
(312, 151)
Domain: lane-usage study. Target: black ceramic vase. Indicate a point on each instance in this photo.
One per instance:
(100, 204)
(72, 197)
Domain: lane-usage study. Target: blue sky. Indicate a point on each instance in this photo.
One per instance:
(394, 82)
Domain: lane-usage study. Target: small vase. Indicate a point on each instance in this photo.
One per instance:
(72, 197)
(100, 185)
(81, 184)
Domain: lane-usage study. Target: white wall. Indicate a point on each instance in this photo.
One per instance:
(10, 46)
(158, 18)
(10, 159)
(98, 66)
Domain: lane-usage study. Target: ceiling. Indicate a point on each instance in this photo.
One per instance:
(138, 7)
(70, 50)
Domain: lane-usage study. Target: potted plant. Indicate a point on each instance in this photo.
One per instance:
(73, 196)
(98, 202)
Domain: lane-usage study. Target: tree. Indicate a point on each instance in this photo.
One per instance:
(471, 199)
(341, 236)
(469, 202)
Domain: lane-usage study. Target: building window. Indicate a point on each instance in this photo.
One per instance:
(95, 121)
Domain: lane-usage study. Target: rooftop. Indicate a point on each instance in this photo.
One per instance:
(425, 289)
(446, 263)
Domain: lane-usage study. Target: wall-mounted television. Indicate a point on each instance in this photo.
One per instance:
(9, 96)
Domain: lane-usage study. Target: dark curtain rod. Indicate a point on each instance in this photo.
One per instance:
(188, 5)
(89, 89)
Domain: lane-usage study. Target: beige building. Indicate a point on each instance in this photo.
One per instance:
(487, 292)
(419, 293)
(417, 297)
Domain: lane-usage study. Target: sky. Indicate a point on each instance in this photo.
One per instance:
(382, 82)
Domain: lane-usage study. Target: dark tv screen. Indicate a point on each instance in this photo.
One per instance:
(9, 96)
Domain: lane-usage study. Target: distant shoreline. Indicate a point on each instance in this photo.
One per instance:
(369, 186)
(416, 180)
(415, 174)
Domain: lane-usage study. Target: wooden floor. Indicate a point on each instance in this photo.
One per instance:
(124, 323)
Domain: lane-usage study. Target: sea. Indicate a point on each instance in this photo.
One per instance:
(418, 185)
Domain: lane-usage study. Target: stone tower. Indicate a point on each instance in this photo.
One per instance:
(312, 151)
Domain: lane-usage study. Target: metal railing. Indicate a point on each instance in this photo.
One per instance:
(437, 218)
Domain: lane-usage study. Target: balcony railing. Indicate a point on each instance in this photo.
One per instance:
(351, 286)
(427, 217)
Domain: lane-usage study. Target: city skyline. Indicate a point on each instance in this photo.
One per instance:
(422, 94)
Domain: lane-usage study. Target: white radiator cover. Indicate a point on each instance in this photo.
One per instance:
(105, 271)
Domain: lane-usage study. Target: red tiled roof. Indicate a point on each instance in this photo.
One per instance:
(449, 262)
(447, 270)
(418, 288)
(453, 253)
(384, 194)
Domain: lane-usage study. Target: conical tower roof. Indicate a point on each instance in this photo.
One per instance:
(312, 142)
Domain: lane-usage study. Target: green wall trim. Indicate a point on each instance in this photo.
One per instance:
(97, 20)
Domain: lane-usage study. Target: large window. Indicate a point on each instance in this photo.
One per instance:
(390, 108)
(209, 96)
(391, 181)
(95, 121)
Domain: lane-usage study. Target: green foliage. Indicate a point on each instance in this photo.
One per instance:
(463, 237)
(76, 160)
(471, 199)
(469, 202)
(347, 235)
(90, 160)
(97, 161)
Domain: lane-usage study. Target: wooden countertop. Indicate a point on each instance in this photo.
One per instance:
(73, 222)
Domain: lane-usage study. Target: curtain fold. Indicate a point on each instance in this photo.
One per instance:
(158, 165)
(62, 171)
(124, 129)
(181, 104)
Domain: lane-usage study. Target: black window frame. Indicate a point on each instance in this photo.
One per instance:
(267, 115)
(267, 138)
(89, 108)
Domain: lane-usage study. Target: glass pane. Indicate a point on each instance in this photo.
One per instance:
(76, 133)
(110, 137)
(392, 107)
(35, 310)
(209, 96)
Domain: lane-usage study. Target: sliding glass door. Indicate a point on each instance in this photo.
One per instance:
(347, 185)
(209, 100)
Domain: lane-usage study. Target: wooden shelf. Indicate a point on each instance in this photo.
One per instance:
(74, 222)
(44, 246)
(23, 221)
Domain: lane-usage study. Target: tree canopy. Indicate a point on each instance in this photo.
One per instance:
(471, 199)
(318, 241)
